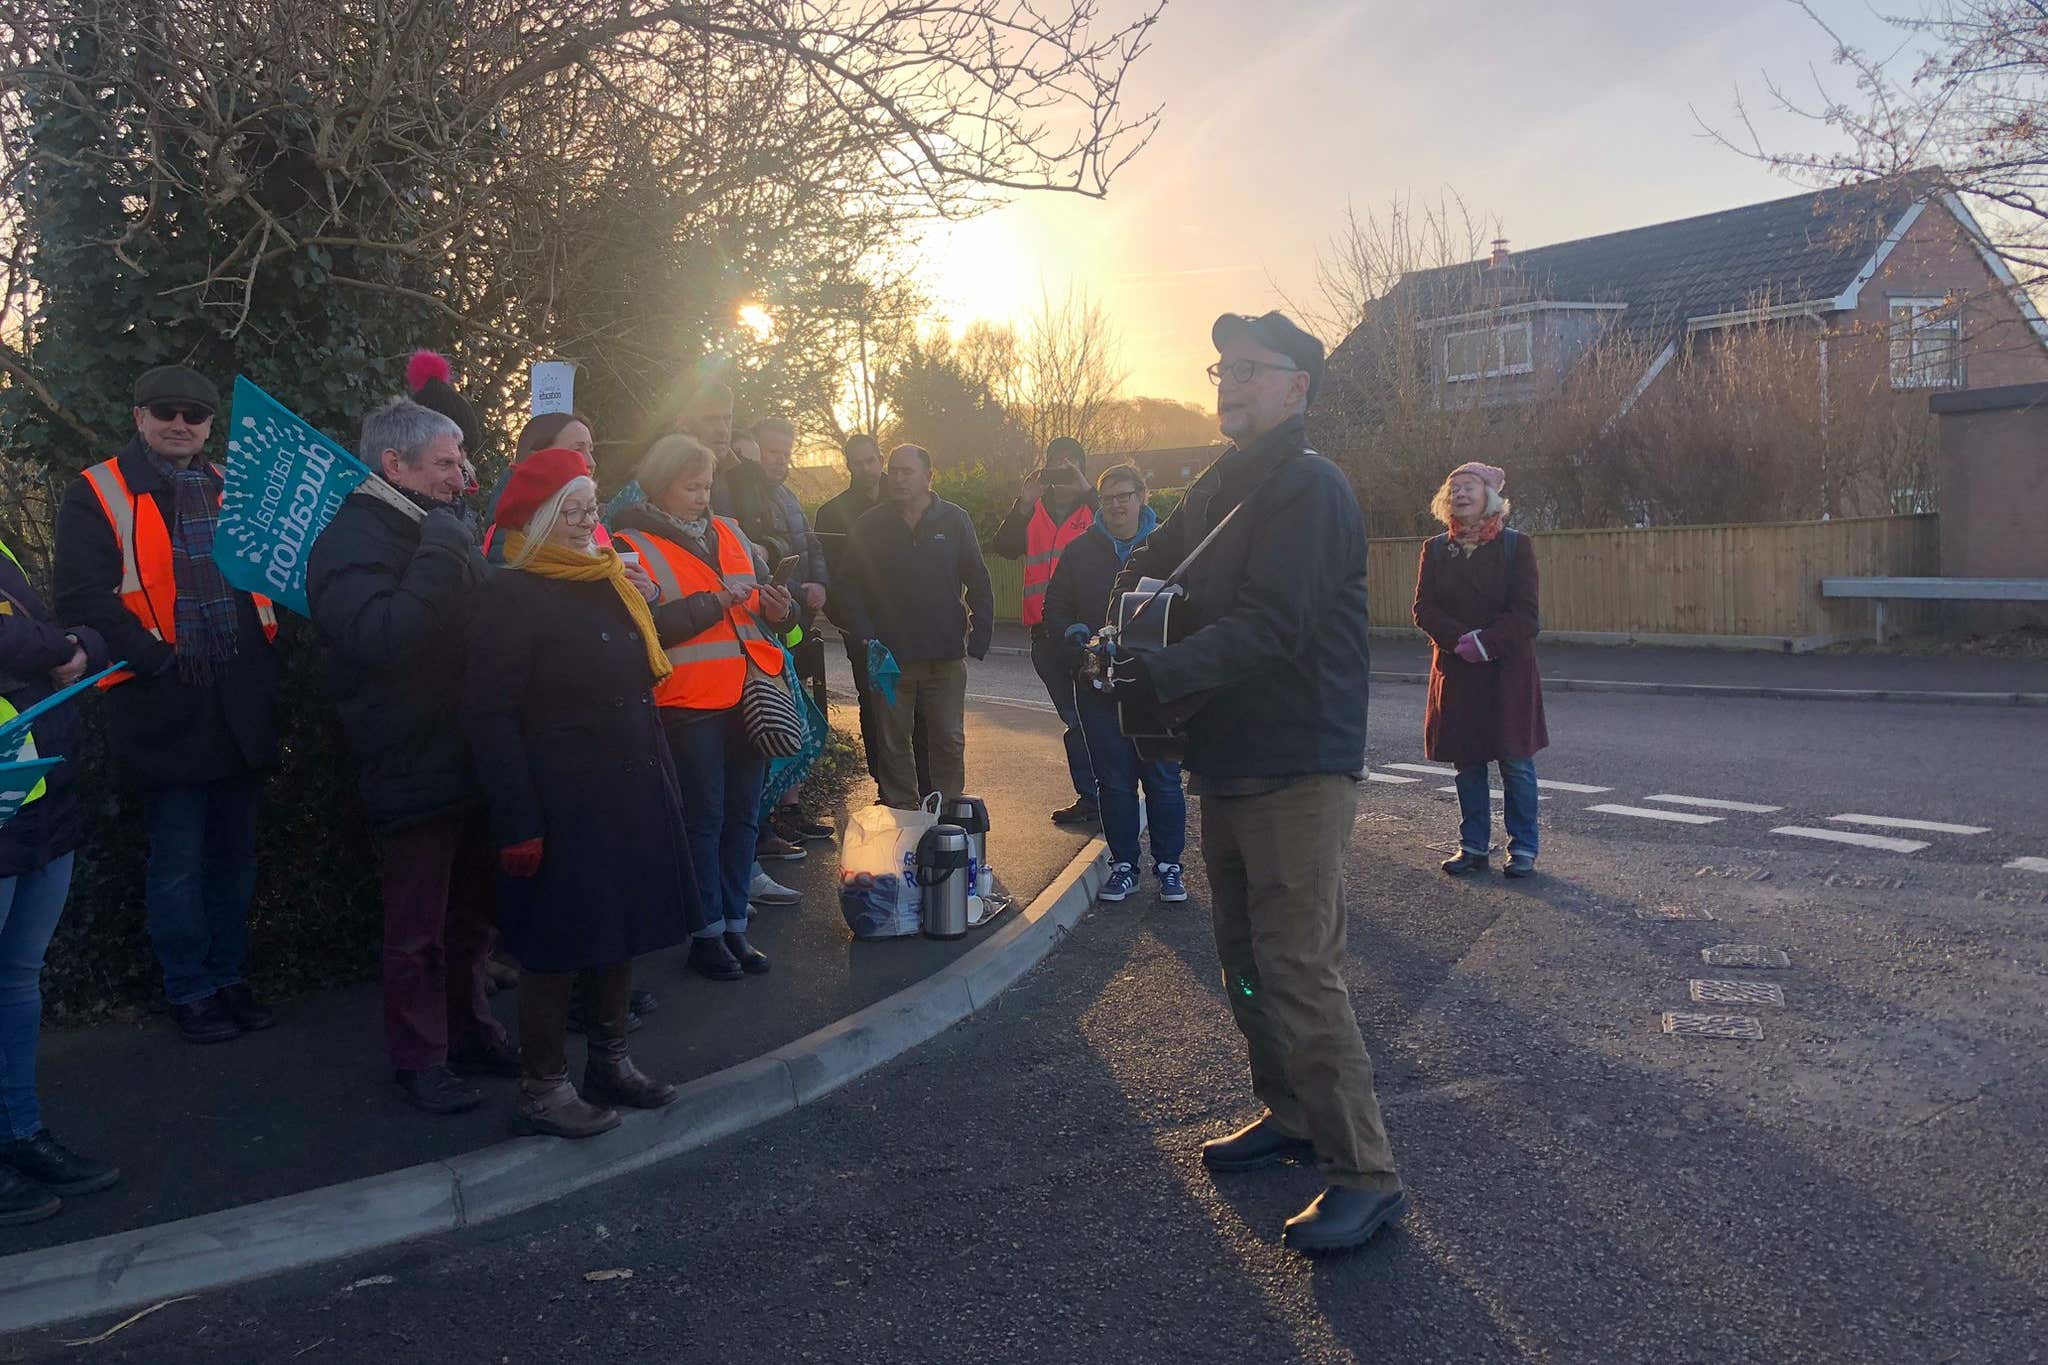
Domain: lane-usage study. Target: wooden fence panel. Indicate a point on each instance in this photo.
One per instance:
(1761, 580)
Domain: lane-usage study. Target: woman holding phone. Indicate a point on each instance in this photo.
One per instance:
(715, 595)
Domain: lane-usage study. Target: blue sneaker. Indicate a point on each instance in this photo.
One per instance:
(1123, 880)
(1171, 887)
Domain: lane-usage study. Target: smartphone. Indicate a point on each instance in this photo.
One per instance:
(629, 556)
(785, 569)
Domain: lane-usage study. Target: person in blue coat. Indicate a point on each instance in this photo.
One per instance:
(37, 847)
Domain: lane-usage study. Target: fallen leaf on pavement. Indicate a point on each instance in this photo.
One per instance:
(595, 1275)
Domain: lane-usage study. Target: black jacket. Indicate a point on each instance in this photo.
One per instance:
(31, 644)
(163, 732)
(903, 587)
(741, 490)
(1279, 606)
(1081, 584)
(834, 526)
(392, 598)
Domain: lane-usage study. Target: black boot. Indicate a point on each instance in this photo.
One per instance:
(250, 1014)
(1256, 1145)
(710, 957)
(1466, 862)
(24, 1201)
(437, 1090)
(752, 960)
(486, 1057)
(1341, 1218)
(609, 1076)
(56, 1167)
(205, 1021)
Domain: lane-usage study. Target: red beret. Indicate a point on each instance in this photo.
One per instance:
(534, 480)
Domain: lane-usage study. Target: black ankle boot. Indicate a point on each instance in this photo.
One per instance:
(710, 957)
(751, 959)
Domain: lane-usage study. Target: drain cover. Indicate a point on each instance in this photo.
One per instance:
(1737, 993)
(1672, 912)
(1713, 1025)
(1743, 955)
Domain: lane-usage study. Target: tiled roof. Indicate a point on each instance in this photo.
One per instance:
(1808, 246)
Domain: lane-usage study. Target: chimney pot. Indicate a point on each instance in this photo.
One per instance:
(1500, 253)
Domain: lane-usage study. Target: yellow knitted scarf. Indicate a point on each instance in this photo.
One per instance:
(552, 561)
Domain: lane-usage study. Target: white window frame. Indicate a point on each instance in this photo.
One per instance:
(1909, 366)
(1498, 365)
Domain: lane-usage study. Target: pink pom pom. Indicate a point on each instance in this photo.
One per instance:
(426, 365)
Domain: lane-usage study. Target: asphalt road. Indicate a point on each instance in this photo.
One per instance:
(1864, 1183)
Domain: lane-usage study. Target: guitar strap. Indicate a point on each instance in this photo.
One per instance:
(1173, 579)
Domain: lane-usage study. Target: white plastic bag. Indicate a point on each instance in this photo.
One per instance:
(878, 891)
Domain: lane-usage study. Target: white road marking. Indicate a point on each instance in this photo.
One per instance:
(1676, 817)
(1570, 786)
(1707, 803)
(1497, 794)
(1847, 836)
(1389, 777)
(1421, 768)
(1893, 822)
(2028, 865)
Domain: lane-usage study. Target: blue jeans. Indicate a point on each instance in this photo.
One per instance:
(29, 907)
(721, 775)
(201, 876)
(1049, 659)
(1118, 772)
(1475, 807)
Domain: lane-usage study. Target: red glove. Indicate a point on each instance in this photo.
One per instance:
(520, 860)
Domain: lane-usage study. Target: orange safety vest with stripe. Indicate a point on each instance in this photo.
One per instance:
(1043, 543)
(148, 588)
(710, 666)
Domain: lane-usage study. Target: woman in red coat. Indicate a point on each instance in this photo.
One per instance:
(1475, 597)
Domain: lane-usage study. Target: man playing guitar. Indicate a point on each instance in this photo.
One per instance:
(1270, 667)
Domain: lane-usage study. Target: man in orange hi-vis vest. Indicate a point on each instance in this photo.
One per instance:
(191, 722)
(1054, 509)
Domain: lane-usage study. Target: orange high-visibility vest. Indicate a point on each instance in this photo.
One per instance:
(148, 587)
(710, 666)
(1043, 543)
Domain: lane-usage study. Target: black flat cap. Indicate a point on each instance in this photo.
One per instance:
(1276, 332)
(176, 384)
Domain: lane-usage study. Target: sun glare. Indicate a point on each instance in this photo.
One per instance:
(757, 320)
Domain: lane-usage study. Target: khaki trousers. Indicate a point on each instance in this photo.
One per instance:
(934, 690)
(1276, 880)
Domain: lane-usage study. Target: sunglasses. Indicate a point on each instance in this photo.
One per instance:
(190, 416)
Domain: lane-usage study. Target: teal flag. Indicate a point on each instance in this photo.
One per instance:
(285, 482)
(15, 733)
(17, 780)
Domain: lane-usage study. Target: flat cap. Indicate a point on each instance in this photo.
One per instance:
(176, 384)
(1276, 332)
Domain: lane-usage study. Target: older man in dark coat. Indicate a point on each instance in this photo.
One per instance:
(392, 595)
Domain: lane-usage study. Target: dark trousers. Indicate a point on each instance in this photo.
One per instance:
(440, 893)
(871, 708)
(1276, 881)
(201, 875)
(721, 774)
(1049, 659)
(1119, 772)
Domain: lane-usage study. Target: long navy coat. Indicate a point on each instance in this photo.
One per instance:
(560, 713)
(1481, 712)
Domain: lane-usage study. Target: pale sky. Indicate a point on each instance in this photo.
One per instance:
(1562, 121)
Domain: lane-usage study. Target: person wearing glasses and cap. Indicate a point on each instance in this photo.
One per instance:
(1273, 676)
(192, 720)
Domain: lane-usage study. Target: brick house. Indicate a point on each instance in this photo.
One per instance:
(1891, 273)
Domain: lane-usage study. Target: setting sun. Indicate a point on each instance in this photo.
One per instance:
(757, 320)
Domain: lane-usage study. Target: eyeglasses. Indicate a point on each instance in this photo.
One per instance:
(1243, 370)
(1128, 495)
(191, 417)
(583, 515)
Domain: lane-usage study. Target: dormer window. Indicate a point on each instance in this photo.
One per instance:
(1487, 353)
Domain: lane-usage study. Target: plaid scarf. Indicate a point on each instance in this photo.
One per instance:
(1467, 536)
(205, 623)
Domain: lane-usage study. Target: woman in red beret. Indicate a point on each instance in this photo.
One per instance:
(584, 804)
(1475, 597)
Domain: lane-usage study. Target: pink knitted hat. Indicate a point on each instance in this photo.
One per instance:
(1492, 476)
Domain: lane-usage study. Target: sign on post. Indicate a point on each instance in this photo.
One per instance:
(554, 387)
(285, 480)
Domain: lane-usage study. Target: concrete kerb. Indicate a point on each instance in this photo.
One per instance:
(128, 1270)
(1902, 695)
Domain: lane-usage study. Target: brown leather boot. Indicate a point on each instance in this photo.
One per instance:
(609, 1076)
(550, 1107)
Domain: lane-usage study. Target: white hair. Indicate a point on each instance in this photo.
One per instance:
(543, 522)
